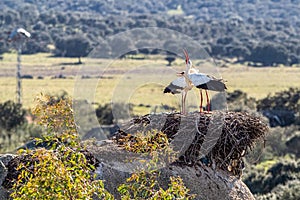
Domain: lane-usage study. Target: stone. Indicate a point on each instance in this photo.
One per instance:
(5, 158)
(3, 172)
(117, 165)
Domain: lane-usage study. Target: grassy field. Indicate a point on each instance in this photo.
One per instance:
(140, 82)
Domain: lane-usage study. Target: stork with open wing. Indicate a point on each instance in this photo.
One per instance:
(192, 77)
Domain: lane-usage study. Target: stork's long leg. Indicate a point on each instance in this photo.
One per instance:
(184, 98)
(201, 100)
(182, 103)
(207, 101)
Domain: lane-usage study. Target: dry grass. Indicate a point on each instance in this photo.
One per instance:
(133, 81)
(259, 82)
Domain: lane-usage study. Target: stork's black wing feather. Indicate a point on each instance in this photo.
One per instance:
(176, 86)
(172, 89)
(214, 85)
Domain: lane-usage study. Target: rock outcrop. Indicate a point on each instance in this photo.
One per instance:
(4, 162)
(210, 168)
(116, 165)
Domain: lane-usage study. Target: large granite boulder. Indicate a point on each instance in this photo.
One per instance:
(210, 168)
(116, 165)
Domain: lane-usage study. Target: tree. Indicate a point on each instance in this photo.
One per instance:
(11, 115)
(74, 46)
(108, 113)
(3, 47)
(241, 52)
(292, 145)
(225, 40)
(121, 46)
(269, 54)
(33, 47)
(170, 59)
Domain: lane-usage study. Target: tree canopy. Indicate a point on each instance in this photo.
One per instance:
(74, 46)
(224, 28)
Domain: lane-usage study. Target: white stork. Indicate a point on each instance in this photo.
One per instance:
(191, 77)
(14, 35)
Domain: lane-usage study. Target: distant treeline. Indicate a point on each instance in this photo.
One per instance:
(265, 32)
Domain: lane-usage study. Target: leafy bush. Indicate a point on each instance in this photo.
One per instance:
(143, 143)
(288, 191)
(143, 185)
(62, 172)
(11, 115)
(18, 136)
(12, 121)
(284, 100)
(293, 145)
(282, 108)
(65, 171)
(239, 101)
(56, 115)
(280, 173)
(106, 114)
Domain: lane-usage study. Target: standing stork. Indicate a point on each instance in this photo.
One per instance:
(180, 85)
(192, 77)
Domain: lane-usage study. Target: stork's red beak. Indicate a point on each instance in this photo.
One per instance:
(187, 58)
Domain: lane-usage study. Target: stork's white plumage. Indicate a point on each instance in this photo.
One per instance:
(24, 32)
(192, 77)
(19, 32)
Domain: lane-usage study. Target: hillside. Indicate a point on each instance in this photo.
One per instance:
(254, 31)
(200, 10)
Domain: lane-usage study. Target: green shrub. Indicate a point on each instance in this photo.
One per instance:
(144, 143)
(144, 184)
(14, 129)
(279, 173)
(19, 136)
(55, 114)
(11, 115)
(284, 100)
(62, 172)
(288, 191)
(107, 114)
(239, 101)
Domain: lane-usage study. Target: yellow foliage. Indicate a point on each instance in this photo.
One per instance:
(145, 185)
(144, 143)
(56, 115)
(62, 172)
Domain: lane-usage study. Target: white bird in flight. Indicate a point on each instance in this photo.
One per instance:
(192, 77)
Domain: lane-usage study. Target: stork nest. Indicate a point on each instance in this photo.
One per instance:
(228, 136)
